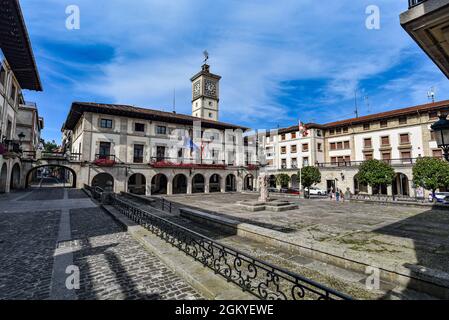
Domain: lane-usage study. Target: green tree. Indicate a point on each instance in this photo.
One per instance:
(310, 176)
(376, 173)
(431, 174)
(50, 146)
(282, 180)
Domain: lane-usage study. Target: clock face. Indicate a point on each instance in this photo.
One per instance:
(197, 89)
(210, 88)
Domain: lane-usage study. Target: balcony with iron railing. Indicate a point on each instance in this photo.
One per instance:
(10, 149)
(105, 160)
(392, 162)
(194, 163)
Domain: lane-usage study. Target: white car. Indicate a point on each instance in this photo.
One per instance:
(317, 191)
(440, 196)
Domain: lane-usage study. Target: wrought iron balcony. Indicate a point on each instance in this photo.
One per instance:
(414, 3)
(10, 149)
(105, 160)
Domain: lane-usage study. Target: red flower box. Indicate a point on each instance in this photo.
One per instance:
(104, 162)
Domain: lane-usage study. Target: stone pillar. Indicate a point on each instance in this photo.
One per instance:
(223, 185)
(189, 186)
(390, 191)
(370, 190)
(207, 185)
(169, 187)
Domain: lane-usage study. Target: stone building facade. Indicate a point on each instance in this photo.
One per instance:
(398, 137)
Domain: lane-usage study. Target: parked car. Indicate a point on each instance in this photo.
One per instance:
(293, 191)
(440, 196)
(273, 190)
(317, 191)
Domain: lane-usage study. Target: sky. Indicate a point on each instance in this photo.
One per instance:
(281, 61)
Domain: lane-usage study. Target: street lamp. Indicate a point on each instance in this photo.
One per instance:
(441, 129)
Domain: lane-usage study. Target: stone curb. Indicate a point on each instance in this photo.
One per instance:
(202, 279)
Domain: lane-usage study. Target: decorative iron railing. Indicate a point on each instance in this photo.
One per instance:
(257, 277)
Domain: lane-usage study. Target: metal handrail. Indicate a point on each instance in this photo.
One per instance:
(262, 279)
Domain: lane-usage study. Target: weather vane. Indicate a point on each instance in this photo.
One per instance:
(206, 56)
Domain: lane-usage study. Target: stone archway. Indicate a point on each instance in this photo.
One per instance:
(198, 184)
(137, 184)
(103, 180)
(15, 177)
(65, 174)
(248, 183)
(231, 183)
(3, 178)
(180, 184)
(400, 185)
(159, 184)
(215, 183)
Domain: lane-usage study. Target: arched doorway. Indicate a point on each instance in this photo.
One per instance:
(51, 176)
(249, 182)
(137, 184)
(15, 177)
(295, 181)
(359, 187)
(198, 184)
(401, 185)
(231, 183)
(3, 178)
(180, 184)
(215, 183)
(159, 184)
(103, 180)
(272, 181)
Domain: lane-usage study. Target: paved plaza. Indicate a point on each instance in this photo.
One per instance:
(45, 230)
(405, 235)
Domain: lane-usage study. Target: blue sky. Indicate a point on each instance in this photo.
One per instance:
(280, 60)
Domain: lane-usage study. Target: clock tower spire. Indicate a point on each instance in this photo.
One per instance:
(205, 93)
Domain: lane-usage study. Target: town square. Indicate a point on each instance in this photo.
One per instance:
(235, 159)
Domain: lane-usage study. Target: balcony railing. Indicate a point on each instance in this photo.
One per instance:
(414, 3)
(10, 149)
(392, 162)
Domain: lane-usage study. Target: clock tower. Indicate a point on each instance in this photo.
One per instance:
(205, 94)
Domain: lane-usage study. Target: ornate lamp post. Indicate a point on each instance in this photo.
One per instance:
(441, 129)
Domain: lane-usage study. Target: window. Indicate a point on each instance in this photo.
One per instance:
(331, 132)
(404, 138)
(305, 162)
(105, 150)
(211, 115)
(385, 141)
(161, 130)
(345, 130)
(294, 148)
(294, 163)
(366, 126)
(386, 156)
(333, 146)
(338, 131)
(294, 135)
(403, 120)
(433, 115)
(139, 127)
(319, 147)
(340, 145)
(138, 153)
(284, 164)
(384, 123)
(305, 147)
(319, 133)
(347, 146)
(283, 137)
(160, 153)
(283, 150)
(437, 153)
(106, 123)
(368, 156)
(2, 75)
(13, 92)
(406, 155)
(367, 143)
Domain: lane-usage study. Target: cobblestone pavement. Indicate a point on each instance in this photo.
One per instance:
(36, 244)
